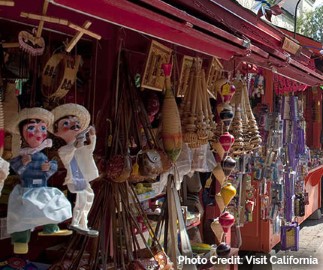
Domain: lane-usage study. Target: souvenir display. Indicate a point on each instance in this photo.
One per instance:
(222, 143)
(187, 63)
(196, 150)
(71, 123)
(295, 158)
(32, 203)
(153, 77)
(214, 73)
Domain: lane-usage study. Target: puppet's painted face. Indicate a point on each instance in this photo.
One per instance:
(34, 132)
(68, 128)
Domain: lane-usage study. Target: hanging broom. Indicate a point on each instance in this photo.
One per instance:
(171, 122)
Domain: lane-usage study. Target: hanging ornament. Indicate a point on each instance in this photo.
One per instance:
(226, 140)
(226, 220)
(250, 206)
(225, 90)
(228, 192)
(228, 164)
(237, 131)
(226, 116)
(223, 250)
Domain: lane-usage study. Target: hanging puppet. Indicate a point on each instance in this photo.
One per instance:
(4, 171)
(31, 203)
(71, 123)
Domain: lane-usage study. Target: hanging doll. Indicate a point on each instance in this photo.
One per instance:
(31, 203)
(259, 85)
(71, 124)
(4, 171)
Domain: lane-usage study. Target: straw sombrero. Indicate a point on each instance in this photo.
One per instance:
(32, 113)
(73, 109)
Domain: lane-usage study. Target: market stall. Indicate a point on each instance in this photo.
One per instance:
(183, 160)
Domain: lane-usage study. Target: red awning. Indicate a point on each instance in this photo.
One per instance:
(175, 28)
(219, 28)
(180, 22)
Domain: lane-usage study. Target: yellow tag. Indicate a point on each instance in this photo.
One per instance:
(226, 89)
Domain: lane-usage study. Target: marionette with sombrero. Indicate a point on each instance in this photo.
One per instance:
(32, 203)
(71, 123)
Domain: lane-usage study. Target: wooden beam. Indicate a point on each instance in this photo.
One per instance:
(84, 31)
(44, 18)
(7, 45)
(7, 3)
(41, 22)
(77, 37)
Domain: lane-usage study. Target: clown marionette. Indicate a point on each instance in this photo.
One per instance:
(31, 203)
(71, 123)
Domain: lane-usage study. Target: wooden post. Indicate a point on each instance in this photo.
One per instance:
(41, 22)
(268, 97)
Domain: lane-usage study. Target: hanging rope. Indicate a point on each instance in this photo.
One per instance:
(95, 78)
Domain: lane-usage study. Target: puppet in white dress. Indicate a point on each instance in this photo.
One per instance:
(32, 203)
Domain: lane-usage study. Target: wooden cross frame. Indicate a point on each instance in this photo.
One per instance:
(41, 22)
(81, 30)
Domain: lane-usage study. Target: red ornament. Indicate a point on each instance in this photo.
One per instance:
(167, 68)
(226, 140)
(226, 220)
(250, 206)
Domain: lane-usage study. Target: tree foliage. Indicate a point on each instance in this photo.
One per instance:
(310, 24)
